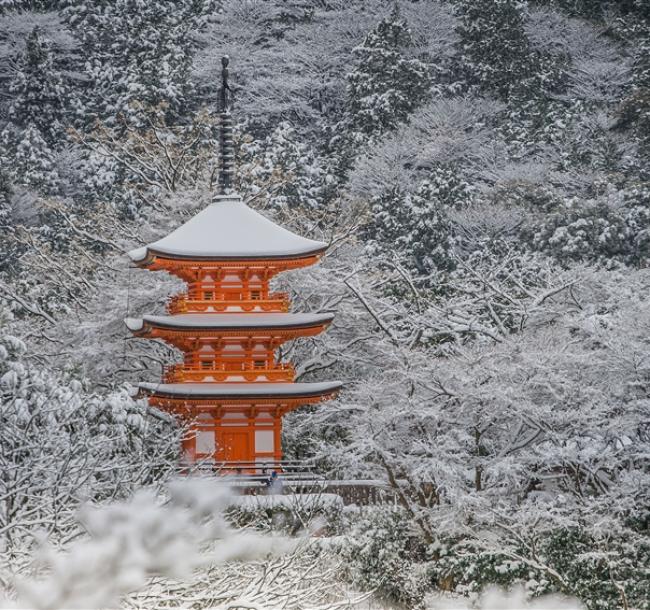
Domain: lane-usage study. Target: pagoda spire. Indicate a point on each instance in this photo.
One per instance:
(227, 153)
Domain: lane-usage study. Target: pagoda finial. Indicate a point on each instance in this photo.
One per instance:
(227, 153)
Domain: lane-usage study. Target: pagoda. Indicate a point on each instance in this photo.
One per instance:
(230, 390)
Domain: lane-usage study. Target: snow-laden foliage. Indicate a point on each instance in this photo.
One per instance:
(283, 171)
(516, 599)
(61, 445)
(610, 230)
(38, 95)
(415, 228)
(149, 543)
(382, 554)
(134, 51)
(31, 159)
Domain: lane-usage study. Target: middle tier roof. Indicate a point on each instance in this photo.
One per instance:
(230, 321)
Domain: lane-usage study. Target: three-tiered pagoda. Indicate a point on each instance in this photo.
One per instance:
(230, 389)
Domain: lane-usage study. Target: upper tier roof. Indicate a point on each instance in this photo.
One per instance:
(229, 230)
(231, 321)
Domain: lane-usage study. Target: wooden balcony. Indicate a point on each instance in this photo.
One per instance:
(179, 373)
(181, 303)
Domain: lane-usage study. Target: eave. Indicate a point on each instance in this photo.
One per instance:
(228, 393)
(190, 406)
(173, 328)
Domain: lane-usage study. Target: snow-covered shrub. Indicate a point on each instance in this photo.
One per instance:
(289, 513)
(464, 567)
(382, 553)
(147, 536)
(494, 598)
(570, 561)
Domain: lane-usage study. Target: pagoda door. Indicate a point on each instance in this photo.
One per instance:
(235, 446)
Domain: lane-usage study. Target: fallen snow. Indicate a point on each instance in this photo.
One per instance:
(495, 598)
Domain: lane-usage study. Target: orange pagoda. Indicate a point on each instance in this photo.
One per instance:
(230, 388)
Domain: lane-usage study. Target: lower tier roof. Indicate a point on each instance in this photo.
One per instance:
(240, 390)
(230, 321)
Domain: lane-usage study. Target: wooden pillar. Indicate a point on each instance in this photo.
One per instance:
(277, 436)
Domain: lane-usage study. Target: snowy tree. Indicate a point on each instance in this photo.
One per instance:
(32, 159)
(284, 170)
(386, 83)
(496, 53)
(609, 231)
(135, 52)
(137, 165)
(635, 110)
(414, 228)
(39, 97)
(510, 431)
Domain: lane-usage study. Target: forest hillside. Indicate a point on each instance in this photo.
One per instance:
(479, 169)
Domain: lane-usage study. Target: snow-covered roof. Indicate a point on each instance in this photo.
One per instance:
(240, 390)
(229, 229)
(223, 321)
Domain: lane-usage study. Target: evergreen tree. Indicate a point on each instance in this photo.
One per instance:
(609, 231)
(496, 54)
(635, 110)
(7, 6)
(136, 52)
(597, 9)
(5, 194)
(8, 251)
(386, 83)
(38, 91)
(415, 227)
(31, 159)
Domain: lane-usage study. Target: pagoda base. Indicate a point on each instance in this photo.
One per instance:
(220, 437)
(234, 423)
